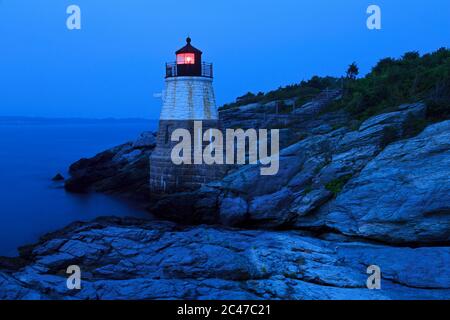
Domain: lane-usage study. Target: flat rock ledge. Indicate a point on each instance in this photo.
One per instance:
(135, 259)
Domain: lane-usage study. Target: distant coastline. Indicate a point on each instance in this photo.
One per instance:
(18, 120)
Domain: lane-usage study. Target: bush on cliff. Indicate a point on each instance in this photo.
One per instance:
(302, 92)
(338, 184)
(393, 82)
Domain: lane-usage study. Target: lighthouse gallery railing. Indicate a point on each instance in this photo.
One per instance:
(172, 70)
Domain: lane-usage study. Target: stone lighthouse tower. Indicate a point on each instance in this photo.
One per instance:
(188, 97)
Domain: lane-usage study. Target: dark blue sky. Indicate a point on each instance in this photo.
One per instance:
(114, 65)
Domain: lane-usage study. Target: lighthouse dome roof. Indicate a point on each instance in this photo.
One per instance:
(188, 48)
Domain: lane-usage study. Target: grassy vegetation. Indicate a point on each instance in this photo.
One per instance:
(389, 135)
(308, 190)
(302, 92)
(337, 185)
(393, 82)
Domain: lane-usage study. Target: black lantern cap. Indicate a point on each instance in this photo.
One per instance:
(188, 48)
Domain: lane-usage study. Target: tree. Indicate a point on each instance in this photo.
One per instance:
(246, 97)
(352, 71)
(412, 55)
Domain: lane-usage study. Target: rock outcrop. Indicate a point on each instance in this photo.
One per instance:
(131, 259)
(123, 170)
(376, 182)
(402, 195)
(348, 195)
(58, 178)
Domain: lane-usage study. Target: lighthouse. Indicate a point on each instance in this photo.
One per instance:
(188, 99)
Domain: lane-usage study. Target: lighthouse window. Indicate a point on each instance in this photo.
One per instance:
(186, 58)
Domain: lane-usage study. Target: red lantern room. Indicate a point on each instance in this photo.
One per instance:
(189, 63)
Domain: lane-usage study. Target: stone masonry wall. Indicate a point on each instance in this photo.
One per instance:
(165, 176)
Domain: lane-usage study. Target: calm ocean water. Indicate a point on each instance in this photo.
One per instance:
(31, 153)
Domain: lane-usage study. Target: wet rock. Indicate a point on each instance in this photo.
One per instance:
(123, 170)
(147, 140)
(58, 177)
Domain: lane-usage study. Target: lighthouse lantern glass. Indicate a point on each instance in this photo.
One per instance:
(186, 58)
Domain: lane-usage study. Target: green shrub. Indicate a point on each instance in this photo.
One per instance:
(438, 102)
(307, 190)
(337, 185)
(393, 82)
(413, 126)
(301, 92)
(388, 136)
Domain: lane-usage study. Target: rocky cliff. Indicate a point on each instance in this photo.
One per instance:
(379, 182)
(349, 195)
(123, 170)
